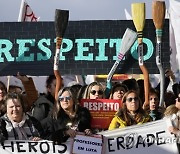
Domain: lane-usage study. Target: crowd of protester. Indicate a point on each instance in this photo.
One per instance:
(30, 115)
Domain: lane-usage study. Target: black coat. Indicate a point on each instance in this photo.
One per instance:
(55, 128)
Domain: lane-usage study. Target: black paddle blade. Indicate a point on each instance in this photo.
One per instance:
(61, 20)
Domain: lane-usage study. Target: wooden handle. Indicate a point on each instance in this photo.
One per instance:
(158, 14)
(58, 42)
(138, 16)
(61, 21)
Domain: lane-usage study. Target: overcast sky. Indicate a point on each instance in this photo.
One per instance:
(78, 9)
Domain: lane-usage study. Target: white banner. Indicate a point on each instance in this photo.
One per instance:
(32, 147)
(152, 138)
(149, 138)
(174, 10)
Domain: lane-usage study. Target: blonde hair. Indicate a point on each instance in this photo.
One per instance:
(86, 94)
(172, 109)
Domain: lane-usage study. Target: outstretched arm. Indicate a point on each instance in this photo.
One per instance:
(30, 89)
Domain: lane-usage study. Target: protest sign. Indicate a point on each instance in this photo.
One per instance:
(87, 144)
(152, 137)
(102, 111)
(30, 147)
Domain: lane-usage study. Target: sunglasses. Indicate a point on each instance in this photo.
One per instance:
(131, 98)
(100, 92)
(67, 98)
(178, 99)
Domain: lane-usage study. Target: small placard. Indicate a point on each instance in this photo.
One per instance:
(87, 144)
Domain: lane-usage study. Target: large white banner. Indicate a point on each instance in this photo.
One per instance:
(174, 10)
(149, 138)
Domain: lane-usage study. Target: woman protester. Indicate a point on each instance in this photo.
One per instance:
(94, 91)
(131, 112)
(117, 91)
(173, 111)
(16, 124)
(67, 118)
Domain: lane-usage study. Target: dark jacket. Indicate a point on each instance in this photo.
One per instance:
(155, 115)
(176, 89)
(31, 126)
(55, 128)
(42, 107)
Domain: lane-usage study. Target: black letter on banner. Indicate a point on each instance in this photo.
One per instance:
(19, 146)
(110, 150)
(150, 139)
(32, 146)
(159, 143)
(6, 146)
(65, 148)
(53, 145)
(41, 147)
(140, 141)
(129, 142)
(119, 143)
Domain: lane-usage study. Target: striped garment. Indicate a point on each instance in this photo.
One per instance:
(24, 130)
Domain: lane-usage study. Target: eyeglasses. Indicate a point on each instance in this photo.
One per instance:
(131, 98)
(66, 98)
(178, 99)
(100, 92)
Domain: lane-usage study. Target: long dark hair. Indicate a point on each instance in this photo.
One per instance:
(123, 86)
(57, 106)
(123, 113)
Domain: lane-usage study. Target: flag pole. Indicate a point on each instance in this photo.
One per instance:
(8, 82)
(21, 11)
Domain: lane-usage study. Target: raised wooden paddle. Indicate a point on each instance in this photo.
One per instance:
(138, 16)
(61, 21)
(158, 15)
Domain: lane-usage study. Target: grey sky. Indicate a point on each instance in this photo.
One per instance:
(79, 9)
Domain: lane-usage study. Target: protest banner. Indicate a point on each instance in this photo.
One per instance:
(80, 144)
(28, 47)
(88, 144)
(30, 147)
(152, 137)
(102, 111)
